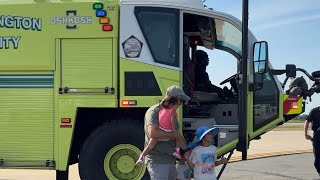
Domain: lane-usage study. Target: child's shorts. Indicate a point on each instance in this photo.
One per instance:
(165, 130)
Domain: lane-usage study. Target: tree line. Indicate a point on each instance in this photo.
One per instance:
(301, 117)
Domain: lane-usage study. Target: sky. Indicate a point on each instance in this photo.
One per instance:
(291, 28)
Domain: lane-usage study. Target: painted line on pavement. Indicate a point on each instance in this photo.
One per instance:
(271, 154)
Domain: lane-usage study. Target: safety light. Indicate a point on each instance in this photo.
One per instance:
(104, 20)
(129, 102)
(97, 6)
(196, 42)
(65, 120)
(294, 105)
(107, 27)
(101, 13)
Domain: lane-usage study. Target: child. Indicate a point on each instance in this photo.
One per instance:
(184, 172)
(203, 157)
(167, 122)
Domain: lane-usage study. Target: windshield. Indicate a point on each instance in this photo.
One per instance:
(228, 36)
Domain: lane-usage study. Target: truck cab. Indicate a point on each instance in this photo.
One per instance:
(172, 36)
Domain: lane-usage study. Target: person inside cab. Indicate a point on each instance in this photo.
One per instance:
(202, 81)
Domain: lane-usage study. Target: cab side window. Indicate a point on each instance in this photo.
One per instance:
(160, 27)
(265, 103)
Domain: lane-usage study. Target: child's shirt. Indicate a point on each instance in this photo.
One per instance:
(165, 118)
(184, 172)
(203, 158)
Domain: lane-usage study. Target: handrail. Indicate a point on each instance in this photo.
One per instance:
(86, 90)
(306, 73)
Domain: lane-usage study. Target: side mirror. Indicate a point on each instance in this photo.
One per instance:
(260, 63)
(291, 70)
(260, 57)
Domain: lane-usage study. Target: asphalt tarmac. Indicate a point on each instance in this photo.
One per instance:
(287, 167)
(273, 143)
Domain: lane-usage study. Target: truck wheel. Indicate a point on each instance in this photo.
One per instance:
(111, 150)
(62, 175)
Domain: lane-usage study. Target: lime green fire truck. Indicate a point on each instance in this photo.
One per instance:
(76, 78)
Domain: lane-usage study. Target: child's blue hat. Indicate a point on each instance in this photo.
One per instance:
(200, 133)
(203, 130)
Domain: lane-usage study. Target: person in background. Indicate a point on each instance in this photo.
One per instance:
(202, 81)
(314, 118)
(184, 172)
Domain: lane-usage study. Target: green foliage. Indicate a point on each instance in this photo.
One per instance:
(299, 119)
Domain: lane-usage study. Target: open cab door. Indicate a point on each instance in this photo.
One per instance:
(267, 98)
(211, 32)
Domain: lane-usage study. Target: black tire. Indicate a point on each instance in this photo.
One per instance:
(62, 175)
(101, 140)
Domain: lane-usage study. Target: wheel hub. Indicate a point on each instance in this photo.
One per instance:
(119, 163)
(125, 164)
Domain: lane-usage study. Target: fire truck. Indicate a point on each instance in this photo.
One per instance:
(76, 78)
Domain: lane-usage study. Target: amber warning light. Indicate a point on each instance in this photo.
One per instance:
(294, 105)
(65, 120)
(129, 102)
(104, 20)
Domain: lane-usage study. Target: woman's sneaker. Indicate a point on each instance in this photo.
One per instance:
(140, 160)
(176, 154)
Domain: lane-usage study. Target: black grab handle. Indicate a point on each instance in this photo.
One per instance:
(224, 165)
